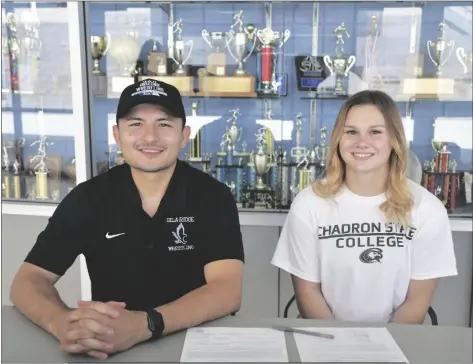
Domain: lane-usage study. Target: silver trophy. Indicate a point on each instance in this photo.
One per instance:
(340, 65)
(216, 40)
(440, 55)
(298, 152)
(233, 132)
(179, 49)
(242, 37)
(465, 59)
(321, 150)
(261, 160)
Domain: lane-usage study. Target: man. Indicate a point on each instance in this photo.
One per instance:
(161, 239)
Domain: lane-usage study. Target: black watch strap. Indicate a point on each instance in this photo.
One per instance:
(155, 324)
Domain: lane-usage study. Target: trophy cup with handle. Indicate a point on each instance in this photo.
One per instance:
(216, 61)
(340, 65)
(99, 48)
(242, 38)
(179, 49)
(440, 56)
(261, 159)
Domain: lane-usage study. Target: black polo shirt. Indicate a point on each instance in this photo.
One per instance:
(131, 257)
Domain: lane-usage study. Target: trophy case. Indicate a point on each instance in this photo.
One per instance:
(38, 113)
(263, 82)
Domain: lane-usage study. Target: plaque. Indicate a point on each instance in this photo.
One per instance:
(310, 72)
(157, 64)
(227, 86)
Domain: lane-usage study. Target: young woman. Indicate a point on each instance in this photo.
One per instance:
(366, 243)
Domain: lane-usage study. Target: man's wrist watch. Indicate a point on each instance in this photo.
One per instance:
(155, 324)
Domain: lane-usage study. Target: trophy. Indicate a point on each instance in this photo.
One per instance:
(241, 43)
(443, 156)
(269, 41)
(14, 50)
(196, 123)
(340, 65)
(179, 47)
(298, 152)
(5, 169)
(40, 168)
(371, 75)
(467, 179)
(31, 45)
(16, 179)
(216, 62)
(157, 61)
(310, 72)
(262, 165)
(234, 132)
(196, 143)
(321, 150)
(440, 55)
(305, 175)
(99, 48)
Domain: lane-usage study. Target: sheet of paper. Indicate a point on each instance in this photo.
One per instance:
(234, 344)
(370, 344)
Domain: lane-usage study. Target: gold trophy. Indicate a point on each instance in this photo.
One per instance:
(99, 48)
(305, 175)
(40, 168)
(16, 180)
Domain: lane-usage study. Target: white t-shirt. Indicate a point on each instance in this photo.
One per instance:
(364, 264)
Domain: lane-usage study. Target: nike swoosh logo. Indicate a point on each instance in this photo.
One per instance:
(108, 236)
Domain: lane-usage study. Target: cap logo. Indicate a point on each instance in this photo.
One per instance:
(149, 87)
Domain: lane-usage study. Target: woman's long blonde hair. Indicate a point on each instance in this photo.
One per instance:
(399, 202)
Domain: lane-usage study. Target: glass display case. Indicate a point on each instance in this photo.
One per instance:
(39, 115)
(262, 84)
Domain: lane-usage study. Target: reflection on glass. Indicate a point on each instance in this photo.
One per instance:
(37, 133)
(262, 83)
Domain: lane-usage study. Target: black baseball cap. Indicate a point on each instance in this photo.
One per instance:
(151, 91)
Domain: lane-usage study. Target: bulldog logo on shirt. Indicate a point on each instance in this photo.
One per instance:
(371, 255)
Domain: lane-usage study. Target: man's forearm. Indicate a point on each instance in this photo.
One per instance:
(313, 306)
(40, 302)
(209, 302)
(409, 312)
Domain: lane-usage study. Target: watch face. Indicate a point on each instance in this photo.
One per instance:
(150, 323)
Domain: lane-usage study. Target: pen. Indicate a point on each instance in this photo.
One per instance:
(304, 332)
